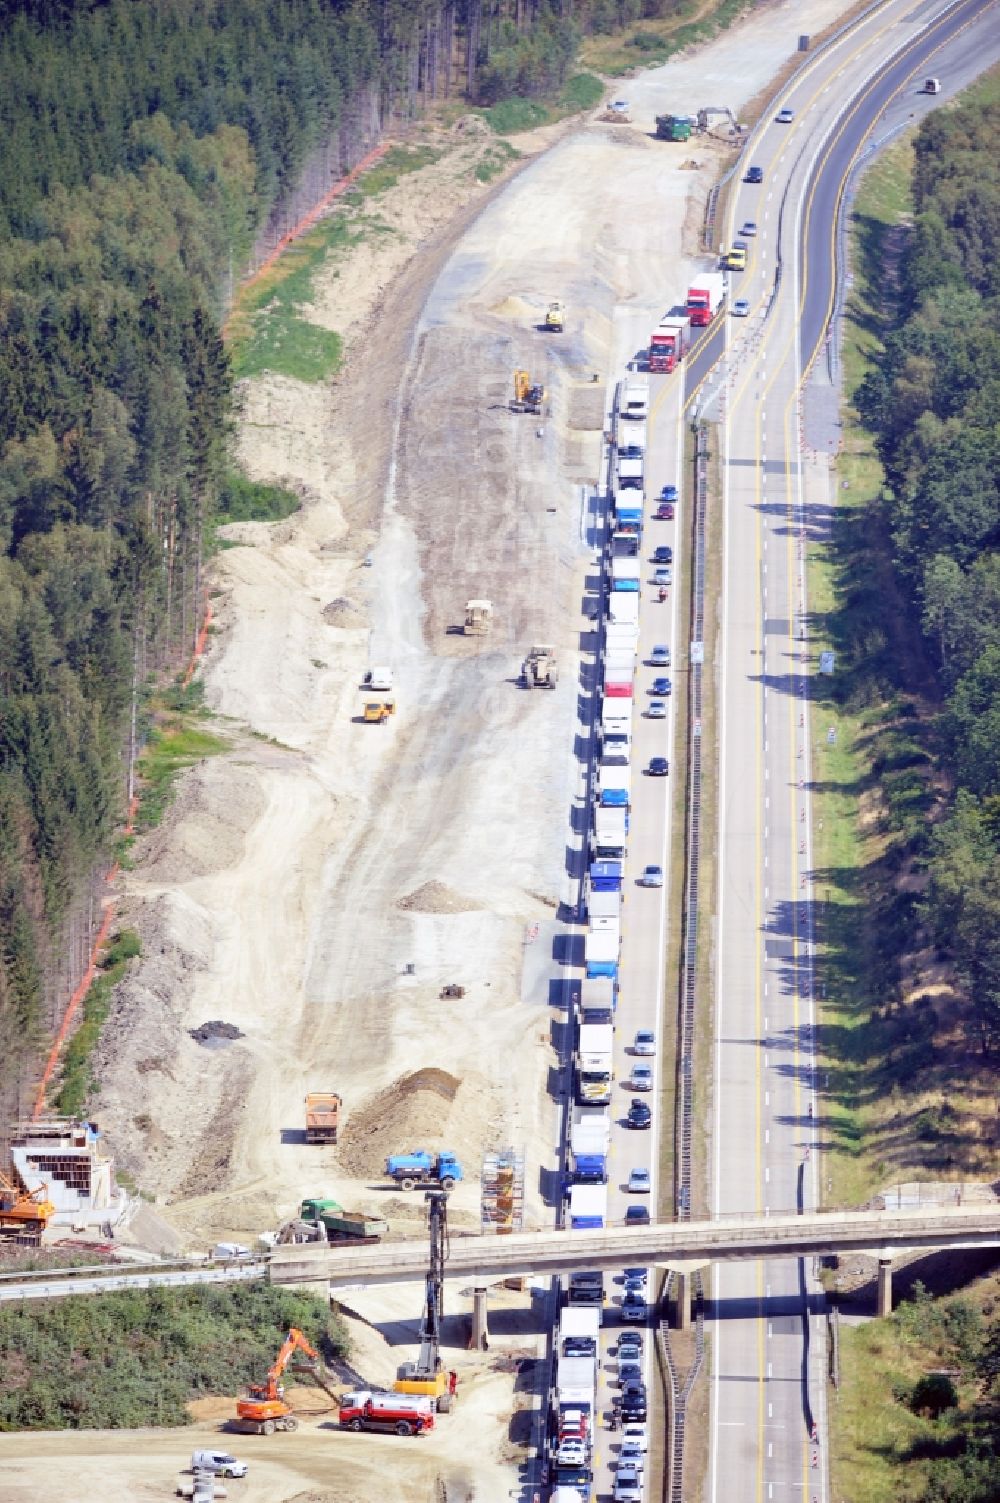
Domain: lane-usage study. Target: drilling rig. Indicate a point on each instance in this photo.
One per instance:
(427, 1375)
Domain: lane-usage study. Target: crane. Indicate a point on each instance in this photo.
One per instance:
(264, 1409)
(28, 1211)
(427, 1375)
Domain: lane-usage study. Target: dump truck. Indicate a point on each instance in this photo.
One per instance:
(705, 297)
(478, 618)
(425, 1169)
(322, 1116)
(674, 127)
(528, 395)
(540, 669)
(554, 315)
(377, 711)
(341, 1225)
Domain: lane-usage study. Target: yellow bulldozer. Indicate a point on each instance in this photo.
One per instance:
(528, 395)
(378, 710)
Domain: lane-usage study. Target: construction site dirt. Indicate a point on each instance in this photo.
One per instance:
(320, 885)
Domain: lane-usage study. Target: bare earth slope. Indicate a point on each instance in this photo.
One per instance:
(278, 895)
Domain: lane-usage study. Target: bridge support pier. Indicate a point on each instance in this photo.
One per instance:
(682, 1302)
(480, 1329)
(883, 1294)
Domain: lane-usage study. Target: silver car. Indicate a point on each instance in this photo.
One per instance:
(642, 1078)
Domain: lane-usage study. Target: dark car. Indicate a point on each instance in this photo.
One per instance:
(630, 1341)
(668, 493)
(637, 1216)
(661, 687)
(664, 554)
(664, 512)
(639, 1114)
(754, 175)
(659, 767)
(628, 1371)
(579, 1346)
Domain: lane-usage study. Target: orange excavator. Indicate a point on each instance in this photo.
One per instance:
(264, 1410)
(24, 1211)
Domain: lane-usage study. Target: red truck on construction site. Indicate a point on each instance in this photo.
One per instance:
(403, 1413)
(705, 297)
(668, 343)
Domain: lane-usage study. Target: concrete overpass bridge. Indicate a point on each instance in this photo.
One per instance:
(680, 1246)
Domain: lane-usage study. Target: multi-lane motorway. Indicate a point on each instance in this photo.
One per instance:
(768, 1420)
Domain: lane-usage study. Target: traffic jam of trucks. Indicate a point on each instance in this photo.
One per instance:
(574, 1413)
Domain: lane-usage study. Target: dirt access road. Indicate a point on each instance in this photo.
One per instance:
(319, 885)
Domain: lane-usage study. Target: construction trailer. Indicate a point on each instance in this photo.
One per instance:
(65, 1155)
(428, 1376)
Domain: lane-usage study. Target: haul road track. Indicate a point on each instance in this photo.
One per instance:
(617, 269)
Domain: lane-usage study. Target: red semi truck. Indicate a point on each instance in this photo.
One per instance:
(705, 297)
(668, 344)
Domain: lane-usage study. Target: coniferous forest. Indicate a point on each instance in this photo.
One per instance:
(144, 145)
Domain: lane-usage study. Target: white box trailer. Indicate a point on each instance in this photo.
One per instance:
(633, 399)
(597, 991)
(631, 435)
(580, 1320)
(590, 1129)
(621, 634)
(614, 777)
(604, 906)
(620, 655)
(623, 605)
(588, 1210)
(626, 568)
(616, 712)
(601, 947)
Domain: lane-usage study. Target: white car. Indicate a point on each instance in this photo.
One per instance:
(741, 308)
(634, 1434)
(749, 228)
(657, 710)
(652, 876)
(639, 1182)
(642, 1078)
(572, 1453)
(645, 1041)
(632, 1454)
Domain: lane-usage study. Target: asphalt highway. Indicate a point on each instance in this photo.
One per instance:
(768, 1399)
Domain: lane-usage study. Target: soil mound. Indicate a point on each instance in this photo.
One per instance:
(341, 612)
(435, 897)
(515, 307)
(427, 1109)
(215, 1032)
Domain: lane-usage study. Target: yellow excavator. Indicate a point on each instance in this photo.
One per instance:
(528, 395)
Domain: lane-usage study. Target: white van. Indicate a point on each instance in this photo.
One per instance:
(219, 1462)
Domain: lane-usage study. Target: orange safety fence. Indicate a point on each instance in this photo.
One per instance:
(75, 1001)
(308, 220)
(199, 645)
